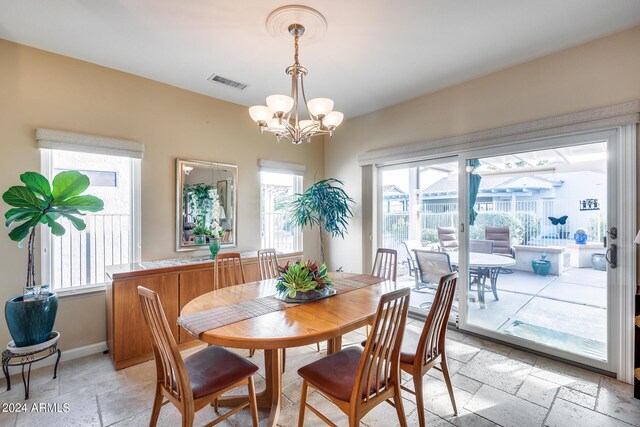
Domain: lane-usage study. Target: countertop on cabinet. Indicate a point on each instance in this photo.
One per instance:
(138, 269)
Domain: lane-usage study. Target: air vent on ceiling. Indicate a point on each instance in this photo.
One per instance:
(227, 82)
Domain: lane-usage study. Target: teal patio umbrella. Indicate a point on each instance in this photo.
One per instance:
(474, 186)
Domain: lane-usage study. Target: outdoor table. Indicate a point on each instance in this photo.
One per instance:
(488, 265)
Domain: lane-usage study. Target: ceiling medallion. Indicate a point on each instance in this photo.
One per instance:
(282, 115)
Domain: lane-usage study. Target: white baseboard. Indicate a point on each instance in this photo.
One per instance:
(67, 355)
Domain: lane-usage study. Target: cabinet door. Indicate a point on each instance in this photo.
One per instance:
(192, 285)
(131, 336)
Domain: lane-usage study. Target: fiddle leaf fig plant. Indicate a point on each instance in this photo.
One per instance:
(40, 202)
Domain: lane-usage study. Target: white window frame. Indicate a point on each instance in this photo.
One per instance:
(49, 140)
(295, 169)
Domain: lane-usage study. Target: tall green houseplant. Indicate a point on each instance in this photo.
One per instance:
(40, 202)
(325, 205)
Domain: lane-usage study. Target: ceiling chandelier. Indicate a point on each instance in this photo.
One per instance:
(283, 116)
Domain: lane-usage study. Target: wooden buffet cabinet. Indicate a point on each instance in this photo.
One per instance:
(177, 282)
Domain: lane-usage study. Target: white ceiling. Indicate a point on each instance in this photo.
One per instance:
(376, 53)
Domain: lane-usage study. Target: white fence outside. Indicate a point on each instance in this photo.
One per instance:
(529, 221)
(278, 233)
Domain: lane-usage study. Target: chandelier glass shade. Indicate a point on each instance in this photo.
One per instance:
(282, 115)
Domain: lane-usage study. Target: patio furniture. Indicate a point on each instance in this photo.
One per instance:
(385, 264)
(448, 239)
(431, 349)
(228, 270)
(358, 380)
(431, 267)
(490, 263)
(409, 246)
(288, 326)
(501, 237)
(481, 246)
(501, 240)
(201, 378)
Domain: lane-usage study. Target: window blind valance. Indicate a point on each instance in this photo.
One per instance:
(281, 167)
(71, 141)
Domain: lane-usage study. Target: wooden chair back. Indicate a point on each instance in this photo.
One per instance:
(228, 270)
(386, 264)
(268, 263)
(379, 369)
(171, 372)
(432, 339)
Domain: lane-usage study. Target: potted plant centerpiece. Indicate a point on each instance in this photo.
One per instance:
(30, 317)
(302, 282)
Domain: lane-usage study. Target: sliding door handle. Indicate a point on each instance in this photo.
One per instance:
(612, 255)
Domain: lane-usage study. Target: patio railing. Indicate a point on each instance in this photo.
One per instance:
(278, 233)
(528, 220)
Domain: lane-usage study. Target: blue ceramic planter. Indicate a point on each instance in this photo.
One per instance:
(580, 239)
(31, 322)
(541, 267)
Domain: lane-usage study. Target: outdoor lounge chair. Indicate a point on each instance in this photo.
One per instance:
(431, 266)
(409, 246)
(448, 239)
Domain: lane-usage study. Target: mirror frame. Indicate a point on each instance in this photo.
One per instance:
(180, 197)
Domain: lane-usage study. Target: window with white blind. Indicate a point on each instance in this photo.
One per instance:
(279, 182)
(78, 259)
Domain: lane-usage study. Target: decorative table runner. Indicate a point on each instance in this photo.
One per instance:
(197, 323)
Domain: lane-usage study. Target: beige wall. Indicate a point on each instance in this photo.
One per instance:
(41, 89)
(596, 74)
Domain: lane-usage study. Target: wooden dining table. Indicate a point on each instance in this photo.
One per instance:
(326, 319)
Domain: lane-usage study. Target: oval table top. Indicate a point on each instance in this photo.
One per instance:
(300, 325)
(482, 260)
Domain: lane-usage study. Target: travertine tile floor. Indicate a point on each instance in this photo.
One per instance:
(494, 385)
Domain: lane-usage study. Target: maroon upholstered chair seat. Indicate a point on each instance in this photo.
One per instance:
(335, 374)
(216, 368)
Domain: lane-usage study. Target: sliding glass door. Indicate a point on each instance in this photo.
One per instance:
(415, 201)
(536, 255)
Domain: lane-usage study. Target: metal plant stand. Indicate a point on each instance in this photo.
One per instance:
(14, 356)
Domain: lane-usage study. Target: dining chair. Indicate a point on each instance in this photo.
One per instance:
(356, 380)
(268, 263)
(385, 264)
(228, 270)
(448, 239)
(431, 349)
(409, 246)
(200, 379)
(431, 267)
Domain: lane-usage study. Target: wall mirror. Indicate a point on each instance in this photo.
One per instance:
(206, 204)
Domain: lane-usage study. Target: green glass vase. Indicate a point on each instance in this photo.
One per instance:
(214, 247)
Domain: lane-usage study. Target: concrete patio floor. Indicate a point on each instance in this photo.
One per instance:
(567, 311)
